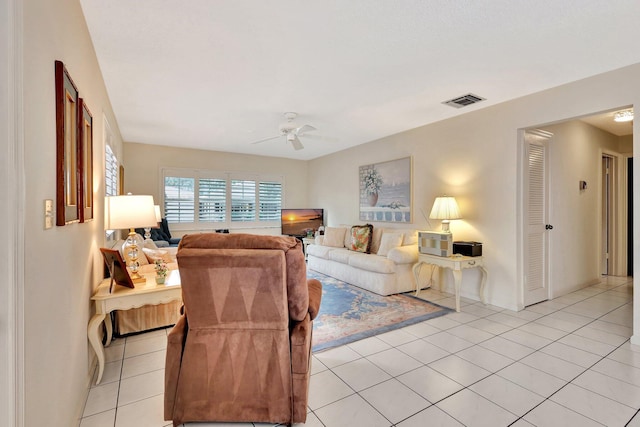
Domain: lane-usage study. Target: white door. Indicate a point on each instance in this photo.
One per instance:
(536, 214)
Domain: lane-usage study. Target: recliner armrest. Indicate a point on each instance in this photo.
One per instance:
(315, 296)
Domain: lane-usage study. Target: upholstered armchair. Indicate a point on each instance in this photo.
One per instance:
(241, 350)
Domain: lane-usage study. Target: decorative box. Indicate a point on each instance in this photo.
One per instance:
(435, 243)
(467, 248)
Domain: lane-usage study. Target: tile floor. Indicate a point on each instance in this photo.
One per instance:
(565, 362)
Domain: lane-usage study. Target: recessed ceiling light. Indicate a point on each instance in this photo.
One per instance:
(623, 116)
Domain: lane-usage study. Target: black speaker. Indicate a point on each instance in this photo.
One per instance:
(467, 248)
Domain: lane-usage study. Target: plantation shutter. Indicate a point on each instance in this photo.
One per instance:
(243, 200)
(212, 199)
(179, 204)
(270, 196)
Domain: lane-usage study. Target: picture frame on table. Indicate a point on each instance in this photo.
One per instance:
(117, 268)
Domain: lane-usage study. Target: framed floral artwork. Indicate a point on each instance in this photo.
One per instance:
(386, 191)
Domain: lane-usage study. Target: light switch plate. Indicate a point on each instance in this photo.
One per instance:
(48, 214)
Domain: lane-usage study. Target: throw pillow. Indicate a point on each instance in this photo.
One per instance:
(154, 254)
(361, 238)
(389, 241)
(334, 237)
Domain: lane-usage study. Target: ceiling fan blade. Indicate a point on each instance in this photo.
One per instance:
(321, 137)
(266, 139)
(304, 128)
(296, 143)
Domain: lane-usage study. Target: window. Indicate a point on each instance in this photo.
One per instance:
(200, 199)
(111, 171)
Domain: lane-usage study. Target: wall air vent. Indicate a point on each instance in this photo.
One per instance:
(464, 100)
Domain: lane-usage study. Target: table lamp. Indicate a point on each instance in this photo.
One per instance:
(446, 209)
(130, 212)
(147, 230)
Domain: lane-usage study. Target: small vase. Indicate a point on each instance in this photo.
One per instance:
(160, 279)
(372, 198)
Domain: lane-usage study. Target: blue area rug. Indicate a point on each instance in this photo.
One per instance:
(348, 313)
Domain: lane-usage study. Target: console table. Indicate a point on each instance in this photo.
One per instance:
(455, 263)
(123, 298)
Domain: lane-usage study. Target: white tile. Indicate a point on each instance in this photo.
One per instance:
(507, 348)
(600, 336)
(532, 379)
(593, 405)
(462, 317)
(586, 344)
(490, 326)
(141, 387)
(479, 310)
(147, 335)
(626, 354)
(114, 352)
(317, 366)
(421, 330)
(144, 413)
(394, 362)
(505, 319)
(443, 323)
(551, 414)
(102, 419)
(430, 384)
(101, 398)
(111, 373)
(635, 421)
(618, 370)
(563, 325)
(543, 331)
(610, 387)
(397, 337)
(448, 342)
(361, 374)
(337, 356)
(394, 400)
(325, 388)
(459, 370)
(312, 421)
(524, 315)
(525, 338)
(350, 411)
(570, 317)
(507, 394)
(423, 351)
(432, 417)
(544, 309)
(571, 354)
(470, 333)
(553, 366)
(369, 346)
(485, 358)
(142, 364)
(472, 409)
(522, 423)
(142, 346)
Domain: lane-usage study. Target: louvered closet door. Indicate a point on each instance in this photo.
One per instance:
(536, 239)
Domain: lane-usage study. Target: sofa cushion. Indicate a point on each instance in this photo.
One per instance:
(334, 237)
(361, 236)
(319, 251)
(404, 254)
(371, 262)
(340, 255)
(410, 237)
(389, 241)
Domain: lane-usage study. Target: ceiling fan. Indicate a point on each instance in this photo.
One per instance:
(291, 131)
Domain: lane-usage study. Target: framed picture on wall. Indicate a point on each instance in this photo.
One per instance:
(85, 161)
(67, 147)
(386, 191)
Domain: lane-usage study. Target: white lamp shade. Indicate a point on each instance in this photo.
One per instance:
(445, 208)
(158, 214)
(130, 211)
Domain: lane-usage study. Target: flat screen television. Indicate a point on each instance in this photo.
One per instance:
(296, 222)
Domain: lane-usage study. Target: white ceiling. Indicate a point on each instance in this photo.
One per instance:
(218, 75)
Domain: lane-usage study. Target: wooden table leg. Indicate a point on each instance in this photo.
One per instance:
(482, 283)
(96, 343)
(417, 268)
(109, 327)
(457, 278)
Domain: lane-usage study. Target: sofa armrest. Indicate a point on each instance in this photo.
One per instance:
(318, 240)
(404, 254)
(315, 296)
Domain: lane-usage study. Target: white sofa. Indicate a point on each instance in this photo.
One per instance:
(386, 270)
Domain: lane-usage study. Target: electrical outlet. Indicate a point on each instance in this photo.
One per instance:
(48, 214)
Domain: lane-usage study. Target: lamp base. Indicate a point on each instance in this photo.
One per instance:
(445, 226)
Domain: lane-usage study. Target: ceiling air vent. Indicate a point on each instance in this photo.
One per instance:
(464, 100)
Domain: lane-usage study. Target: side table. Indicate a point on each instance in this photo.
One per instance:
(123, 298)
(306, 241)
(456, 264)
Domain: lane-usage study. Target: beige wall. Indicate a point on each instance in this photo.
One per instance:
(143, 164)
(63, 264)
(475, 157)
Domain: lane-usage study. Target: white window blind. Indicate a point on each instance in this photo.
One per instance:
(110, 173)
(270, 197)
(179, 199)
(243, 200)
(212, 200)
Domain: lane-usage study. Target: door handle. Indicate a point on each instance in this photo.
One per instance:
(548, 227)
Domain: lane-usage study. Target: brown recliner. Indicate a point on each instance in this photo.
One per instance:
(241, 351)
